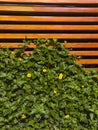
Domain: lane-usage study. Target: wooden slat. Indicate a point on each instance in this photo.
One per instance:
(47, 19)
(87, 61)
(65, 36)
(47, 27)
(17, 8)
(84, 53)
(48, 9)
(67, 45)
(82, 61)
(74, 53)
(51, 1)
(81, 45)
(16, 45)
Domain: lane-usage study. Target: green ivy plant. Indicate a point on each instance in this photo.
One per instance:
(46, 90)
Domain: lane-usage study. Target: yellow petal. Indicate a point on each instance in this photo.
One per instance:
(60, 76)
(82, 86)
(29, 75)
(55, 91)
(23, 116)
(44, 70)
(67, 116)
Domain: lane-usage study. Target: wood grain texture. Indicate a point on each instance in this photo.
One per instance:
(84, 53)
(47, 19)
(87, 61)
(81, 45)
(51, 1)
(64, 36)
(60, 27)
(48, 9)
(67, 45)
(79, 53)
(47, 27)
(16, 45)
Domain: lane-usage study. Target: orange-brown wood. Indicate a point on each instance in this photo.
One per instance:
(47, 19)
(16, 45)
(58, 27)
(71, 53)
(51, 1)
(84, 53)
(48, 9)
(67, 45)
(47, 27)
(87, 61)
(81, 45)
(77, 54)
(52, 35)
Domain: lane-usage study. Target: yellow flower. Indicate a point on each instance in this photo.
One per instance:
(82, 86)
(29, 75)
(23, 116)
(60, 76)
(55, 91)
(20, 59)
(67, 116)
(44, 70)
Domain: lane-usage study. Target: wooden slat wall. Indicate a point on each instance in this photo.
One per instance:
(73, 21)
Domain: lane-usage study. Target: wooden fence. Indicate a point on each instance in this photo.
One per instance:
(74, 21)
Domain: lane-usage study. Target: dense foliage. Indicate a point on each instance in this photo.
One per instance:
(46, 90)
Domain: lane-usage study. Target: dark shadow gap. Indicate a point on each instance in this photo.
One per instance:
(47, 23)
(50, 31)
(60, 14)
(50, 4)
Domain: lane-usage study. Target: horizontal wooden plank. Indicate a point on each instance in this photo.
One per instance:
(84, 53)
(81, 45)
(64, 36)
(17, 8)
(47, 19)
(51, 1)
(77, 53)
(32, 45)
(67, 45)
(77, 61)
(87, 61)
(47, 27)
(16, 45)
(48, 9)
